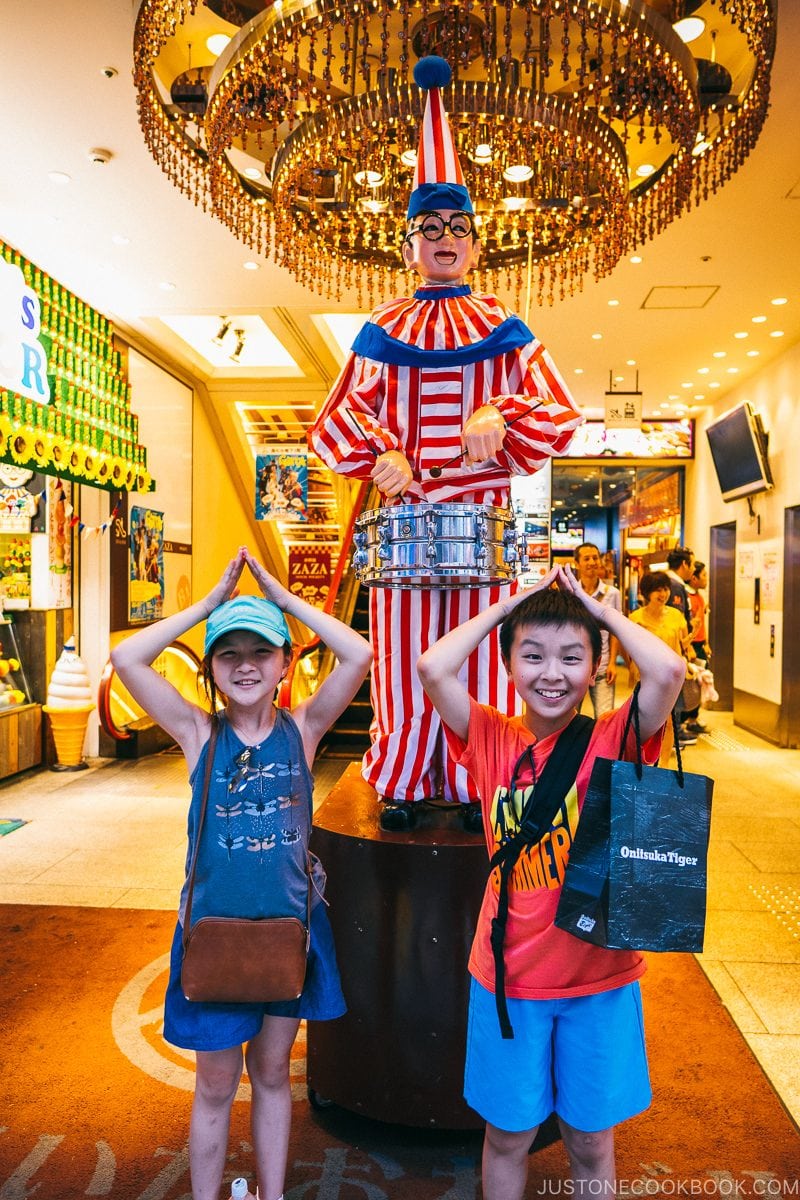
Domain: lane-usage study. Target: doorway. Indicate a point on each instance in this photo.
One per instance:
(789, 722)
(721, 602)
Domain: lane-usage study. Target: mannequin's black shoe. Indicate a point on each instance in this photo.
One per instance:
(398, 817)
(472, 818)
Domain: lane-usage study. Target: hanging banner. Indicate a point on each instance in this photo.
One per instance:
(623, 410)
(146, 548)
(310, 573)
(282, 485)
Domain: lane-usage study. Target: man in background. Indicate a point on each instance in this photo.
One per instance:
(680, 567)
(588, 567)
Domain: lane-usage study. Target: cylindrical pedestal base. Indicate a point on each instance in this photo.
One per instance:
(403, 909)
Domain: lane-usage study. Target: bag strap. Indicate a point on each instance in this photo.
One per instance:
(558, 775)
(212, 745)
(633, 716)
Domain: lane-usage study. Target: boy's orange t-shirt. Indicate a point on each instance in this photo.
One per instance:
(542, 962)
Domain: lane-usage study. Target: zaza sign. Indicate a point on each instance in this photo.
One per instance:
(23, 360)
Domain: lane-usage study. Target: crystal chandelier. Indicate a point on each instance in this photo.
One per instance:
(584, 127)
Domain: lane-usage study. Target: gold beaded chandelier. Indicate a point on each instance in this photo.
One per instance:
(584, 127)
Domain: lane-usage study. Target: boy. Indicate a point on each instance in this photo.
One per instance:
(442, 399)
(578, 1046)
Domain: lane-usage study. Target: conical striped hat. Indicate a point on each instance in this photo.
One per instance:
(438, 178)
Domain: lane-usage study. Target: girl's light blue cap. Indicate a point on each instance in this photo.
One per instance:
(253, 613)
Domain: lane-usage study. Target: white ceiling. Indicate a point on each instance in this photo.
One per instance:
(743, 245)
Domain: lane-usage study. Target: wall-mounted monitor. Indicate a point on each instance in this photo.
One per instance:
(738, 447)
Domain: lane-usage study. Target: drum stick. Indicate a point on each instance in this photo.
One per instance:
(435, 472)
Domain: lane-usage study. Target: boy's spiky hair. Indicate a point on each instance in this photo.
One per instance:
(550, 608)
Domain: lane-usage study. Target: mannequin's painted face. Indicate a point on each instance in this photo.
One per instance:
(441, 246)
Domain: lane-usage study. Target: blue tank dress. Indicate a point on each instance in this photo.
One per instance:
(252, 862)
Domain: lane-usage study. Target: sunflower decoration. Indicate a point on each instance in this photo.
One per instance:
(21, 444)
(103, 471)
(59, 451)
(91, 461)
(6, 428)
(118, 470)
(41, 448)
(143, 480)
(130, 476)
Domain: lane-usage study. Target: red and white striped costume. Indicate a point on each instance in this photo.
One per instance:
(419, 375)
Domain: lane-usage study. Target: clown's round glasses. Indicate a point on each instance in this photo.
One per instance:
(433, 227)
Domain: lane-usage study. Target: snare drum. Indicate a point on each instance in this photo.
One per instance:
(436, 546)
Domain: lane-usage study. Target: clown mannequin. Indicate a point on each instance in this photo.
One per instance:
(426, 379)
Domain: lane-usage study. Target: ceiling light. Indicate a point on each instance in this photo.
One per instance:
(779, 300)
(644, 170)
(687, 385)
(298, 89)
(703, 370)
(367, 178)
(223, 331)
(776, 333)
(217, 43)
(720, 354)
(613, 304)
(249, 265)
(518, 173)
(742, 334)
(241, 338)
(753, 353)
(689, 29)
(59, 177)
(759, 320)
(579, 370)
(733, 370)
(635, 259)
(631, 362)
(409, 158)
(514, 203)
(597, 337)
(252, 173)
(699, 396)
(714, 383)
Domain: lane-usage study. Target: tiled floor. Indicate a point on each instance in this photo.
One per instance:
(115, 835)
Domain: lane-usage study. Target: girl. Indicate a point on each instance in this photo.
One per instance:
(254, 843)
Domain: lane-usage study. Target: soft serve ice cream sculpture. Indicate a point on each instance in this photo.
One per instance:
(69, 702)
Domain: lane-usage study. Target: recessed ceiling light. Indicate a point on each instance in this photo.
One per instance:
(714, 383)
(518, 173)
(759, 320)
(703, 370)
(664, 406)
(251, 173)
(166, 286)
(408, 158)
(689, 29)
(700, 396)
(733, 370)
(779, 300)
(597, 337)
(635, 258)
(579, 370)
(687, 385)
(619, 378)
(644, 170)
(613, 304)
(631, 362)
(217, 43)
(250, 265)
(741, 334)
(753, 353)
(672, 396)
(776, 333)
(59, 177)
(720, 354)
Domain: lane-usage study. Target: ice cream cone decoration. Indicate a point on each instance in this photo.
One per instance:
(69, 702)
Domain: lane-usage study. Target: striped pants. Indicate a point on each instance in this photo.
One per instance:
(408, 758)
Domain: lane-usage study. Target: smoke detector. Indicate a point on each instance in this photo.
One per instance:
(98, 155)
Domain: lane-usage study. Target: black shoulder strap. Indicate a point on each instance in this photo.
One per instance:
(551, 787)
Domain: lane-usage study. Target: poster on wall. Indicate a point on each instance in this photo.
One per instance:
(282, 485)
(146, 573)
(310, 573)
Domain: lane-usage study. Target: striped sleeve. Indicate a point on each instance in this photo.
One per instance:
(346, 435)
(529, 375)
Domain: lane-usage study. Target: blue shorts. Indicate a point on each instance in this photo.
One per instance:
(196, 1025)
(583, 1058)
